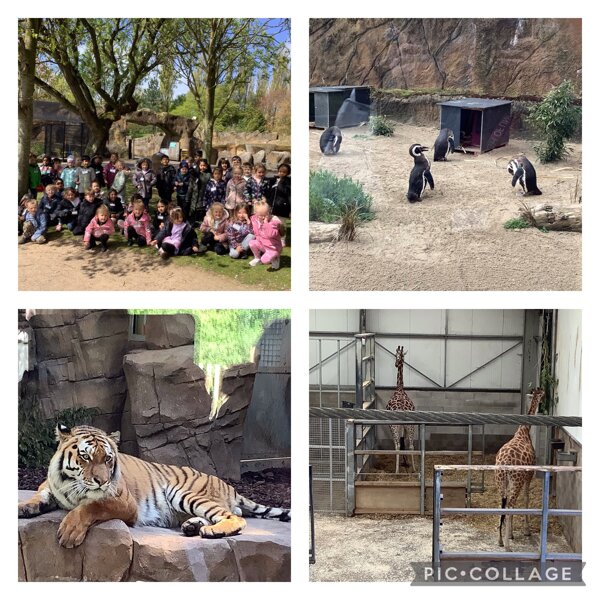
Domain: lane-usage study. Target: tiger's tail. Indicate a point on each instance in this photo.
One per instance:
(249, 508)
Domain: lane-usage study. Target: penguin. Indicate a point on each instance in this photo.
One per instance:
(524, 172)
(444, 144)
(420, 175)
(330, 140)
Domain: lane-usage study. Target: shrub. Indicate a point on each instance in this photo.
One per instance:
(37, 442)
(381, 126)
(517, 223)
(330, 198)
(556, 119)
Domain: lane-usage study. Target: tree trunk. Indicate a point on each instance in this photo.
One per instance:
(555, 218)
(27, 54)
(99, 133)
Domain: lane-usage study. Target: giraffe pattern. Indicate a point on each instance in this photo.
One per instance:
(517, 451)
(401, 401)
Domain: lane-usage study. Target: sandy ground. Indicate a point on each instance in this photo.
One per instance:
(118, 269)
(381, 547)
(454, 239)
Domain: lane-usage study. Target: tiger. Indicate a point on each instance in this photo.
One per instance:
(91, 479)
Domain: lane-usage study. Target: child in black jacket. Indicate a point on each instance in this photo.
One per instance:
(182, 183)
(87, 211)
(165, 179)
(68, 209)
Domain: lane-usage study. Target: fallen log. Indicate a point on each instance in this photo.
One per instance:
(554, 218)
(321, 233)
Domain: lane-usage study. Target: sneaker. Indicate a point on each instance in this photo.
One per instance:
(202, 249)
(23, 239)
(130, 242)
(163, 254)
(275, 264)
(41, 240)
(104, 249)
(254, 262)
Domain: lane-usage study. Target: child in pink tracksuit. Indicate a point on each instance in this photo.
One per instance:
(136, 226)
(99, 229)
(268, 231)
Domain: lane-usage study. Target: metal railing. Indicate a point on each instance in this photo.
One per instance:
(311, 548)
(545, 512)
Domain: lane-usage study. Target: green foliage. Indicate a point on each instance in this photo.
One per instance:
(226, 337)
(36, 436)
(330, 198)
(547, 382)
(556, 120)
(381, 126)
(517, 223)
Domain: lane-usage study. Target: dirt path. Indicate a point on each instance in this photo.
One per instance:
(64, 266)
(454, 239)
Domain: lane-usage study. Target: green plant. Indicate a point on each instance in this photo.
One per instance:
(36, 437)
(547, 380)
(330, 198)
(517, 223)
(556, 119)
(381, 126)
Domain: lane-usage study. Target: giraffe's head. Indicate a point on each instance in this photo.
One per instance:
(400, 356)
(537, 395)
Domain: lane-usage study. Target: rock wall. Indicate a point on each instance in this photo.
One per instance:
(169, 411)
(169, 331)
(516, 57)
(79, 356)
(114, 552)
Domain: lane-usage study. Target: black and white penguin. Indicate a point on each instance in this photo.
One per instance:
(524, 172)
(420, 175)
(330, 140)
(444, 144)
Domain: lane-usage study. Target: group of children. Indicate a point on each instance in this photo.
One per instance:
(234, 206)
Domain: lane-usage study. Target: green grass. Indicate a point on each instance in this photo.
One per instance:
(517, 223)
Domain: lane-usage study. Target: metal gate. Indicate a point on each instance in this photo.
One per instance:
(327, 440)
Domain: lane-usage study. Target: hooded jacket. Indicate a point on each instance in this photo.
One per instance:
(144, 182)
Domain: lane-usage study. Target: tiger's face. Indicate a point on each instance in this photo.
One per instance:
(88, 456)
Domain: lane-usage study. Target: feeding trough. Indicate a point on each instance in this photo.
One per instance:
(479, 124)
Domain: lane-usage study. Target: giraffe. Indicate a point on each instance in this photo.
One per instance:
(401, 401)
(517, 451)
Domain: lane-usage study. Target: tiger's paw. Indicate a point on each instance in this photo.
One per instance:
(229, 526)
(192, 526)
(72, 531)
(27, 510)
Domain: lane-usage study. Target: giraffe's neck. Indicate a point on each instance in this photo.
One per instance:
(400, 377)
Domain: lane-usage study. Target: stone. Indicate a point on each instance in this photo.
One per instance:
(169, 331)
(114, 552)
(103, 323)
(259, 157)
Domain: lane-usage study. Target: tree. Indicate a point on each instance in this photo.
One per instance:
(214, 53)
(103, 61)
(167, 78)
(28, 42)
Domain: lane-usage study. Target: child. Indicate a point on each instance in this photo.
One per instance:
(35, 176)
(120, 178)
(257, 185)
(236, 186)
(46, 171)
(100, 228)
(32, 228)
(182, 184)
(247, 170)
(85, 176)
(268, 231)
(69, 173)
(195, 166)
(144, 180)
(114, 205)
(59, 184)
(195, 195)
(110, 170)
(239, 232)
(215, 189)
(87, 210)
(161, 218)
(177, 237)
(97, 191)
(213, 228)
(68, 209)
(165, 179)
(236, 161)
(56, 169)
(46, 213)
(137, 225)
(98, 169)
(226, 168)
(281, 192)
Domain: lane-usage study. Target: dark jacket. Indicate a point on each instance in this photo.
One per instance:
(182, 190)
(87, 211)
(255, 190)
(196, 189)
(188, 238)
(158, 219)
(116, 207)
(165, 182)
(144, 182)
(214, 192)
(99, 173)
(280, 196)
(67, 212)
